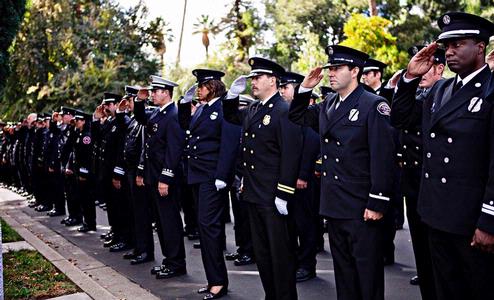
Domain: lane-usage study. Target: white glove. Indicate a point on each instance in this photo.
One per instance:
(189, 94)
(238, 86)
(281, 206)
(219, 184)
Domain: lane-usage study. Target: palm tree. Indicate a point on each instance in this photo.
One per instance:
(181, 33)
(205, 26)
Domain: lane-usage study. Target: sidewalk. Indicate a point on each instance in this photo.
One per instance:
(105, 275)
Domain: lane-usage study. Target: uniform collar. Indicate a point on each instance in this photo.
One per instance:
(162, 109)
(212, 101)
(469, 77)
(268, 98)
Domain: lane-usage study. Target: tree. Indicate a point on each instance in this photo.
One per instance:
(205, 26)
(70, 52)
(181, 34)
(371, 35)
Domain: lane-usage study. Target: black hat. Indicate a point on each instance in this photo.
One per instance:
(158, 82)
(46, 116)
(204, 75)
(111, 98)
(291, 77)
(457, 25)
(131, 90)
(374, 65)
(341, 55)
(67, 111)
(325, 90)
(245, 100)
(439, 55)
(261, 66)
(80, 115)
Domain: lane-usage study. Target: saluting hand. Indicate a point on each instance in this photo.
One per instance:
(163, 189)
(123, 105)
(313, 78)
(99, 112)
(489, 59)
(372, 215)
(238, 87)
(483, 241)
(55, 116)
(142, 94)
(394, 80)
(422, 62)
(189, 94)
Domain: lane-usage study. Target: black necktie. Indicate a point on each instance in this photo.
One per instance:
(457, 87)
(332, 108)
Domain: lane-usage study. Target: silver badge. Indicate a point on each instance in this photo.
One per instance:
(415, 50)
(446, 19)
(475, 104)
(330, 51)
(213, 116)
(113, 128)
(266, 120)
(353, 116)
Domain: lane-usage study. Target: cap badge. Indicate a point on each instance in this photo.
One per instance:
(266, 120)
(446, 19)
(330, 51)
(415, 50)
(213, 116)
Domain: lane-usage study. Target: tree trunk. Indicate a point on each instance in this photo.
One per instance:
(181, 33)
(372, 7)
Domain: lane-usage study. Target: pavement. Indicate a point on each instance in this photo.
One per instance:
(105, 275)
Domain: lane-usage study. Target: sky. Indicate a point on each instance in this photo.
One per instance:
(171, 11)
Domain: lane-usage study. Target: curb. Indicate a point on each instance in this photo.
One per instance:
(86, 275)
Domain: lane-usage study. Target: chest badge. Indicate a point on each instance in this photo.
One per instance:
(155, 127)
(475, 104)
(266, 120)
(213, 116)
(113, 128)
(384, 109)
(353, 116)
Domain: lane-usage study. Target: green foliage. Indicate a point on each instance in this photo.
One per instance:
(371, 35)
(70, 52)
(12, 13)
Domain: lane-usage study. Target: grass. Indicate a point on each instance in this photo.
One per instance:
(9, 234)
(28, 275)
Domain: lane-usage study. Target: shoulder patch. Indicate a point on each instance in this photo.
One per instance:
(86, 140)
(384, 109)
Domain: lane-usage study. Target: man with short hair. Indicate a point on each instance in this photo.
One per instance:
(456, 198)
(357, 170)
(271, 149)
(157, 169)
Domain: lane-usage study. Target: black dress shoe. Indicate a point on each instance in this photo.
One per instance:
(304, 275)
(221, 293)
(42, 208)
(64, 220)
(106, 234)
(142, 258)
(110, 243)
(73, 222)
(203, 290)
(232, 256)
(197, 246)
(415, 280)
(32, 203)
(156, 269)
(85, 228)
(119, 247)
(54, 213)
(244, 260)
(169, 273)
(129, 255)
(193, 236)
